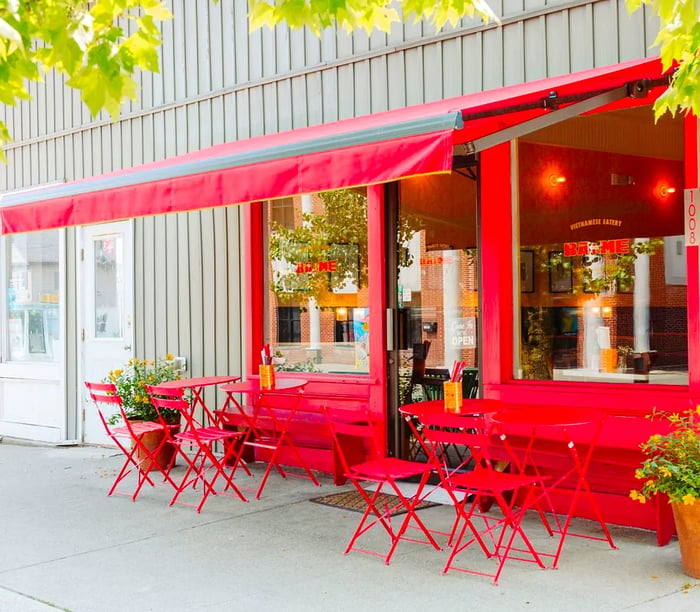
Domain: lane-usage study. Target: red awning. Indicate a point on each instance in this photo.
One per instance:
(360, 151)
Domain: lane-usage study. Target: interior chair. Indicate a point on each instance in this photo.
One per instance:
(267, 432)
(196, 444)
(470, 383)
(129, 438)
(418, 359)
(373, 476)
(500, 536)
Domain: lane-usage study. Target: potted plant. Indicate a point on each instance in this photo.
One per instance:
(623, 353)
(672, 468)
(131, 381)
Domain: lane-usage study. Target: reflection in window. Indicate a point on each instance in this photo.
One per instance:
(318, 289)
(33, 330)
(437, 284)
(603, 292)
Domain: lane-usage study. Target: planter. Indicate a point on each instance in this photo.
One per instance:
(688, 528)
(151, 441)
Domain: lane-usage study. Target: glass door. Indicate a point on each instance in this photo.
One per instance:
(436, 301)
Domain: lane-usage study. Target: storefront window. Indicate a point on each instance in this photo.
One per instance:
(437, 285)
(318, 282)
(33, 330)
(602, 262)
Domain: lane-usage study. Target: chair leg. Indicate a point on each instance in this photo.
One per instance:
(129, 465)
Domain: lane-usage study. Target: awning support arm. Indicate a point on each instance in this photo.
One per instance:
(532, 125)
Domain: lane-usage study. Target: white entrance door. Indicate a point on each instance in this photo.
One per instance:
(106, 280)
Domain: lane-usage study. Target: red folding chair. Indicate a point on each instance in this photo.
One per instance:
(204, 466)
(474, 491)
(384, 473)
(137, 454)
(267, 430)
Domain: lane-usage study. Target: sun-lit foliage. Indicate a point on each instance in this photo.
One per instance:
(97, 44)
(364, 15)
(678, 40)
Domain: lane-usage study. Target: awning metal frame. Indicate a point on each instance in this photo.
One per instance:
(583, 104)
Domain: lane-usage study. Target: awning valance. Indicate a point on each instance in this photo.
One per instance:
(359, 151)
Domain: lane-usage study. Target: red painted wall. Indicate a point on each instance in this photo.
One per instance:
(549, 212)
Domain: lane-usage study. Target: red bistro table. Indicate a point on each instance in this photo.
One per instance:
(267, 425)
(196, 386)
(412, 413)
(566, 425)
(470, 406)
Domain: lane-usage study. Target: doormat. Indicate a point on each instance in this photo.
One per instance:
(352, 500)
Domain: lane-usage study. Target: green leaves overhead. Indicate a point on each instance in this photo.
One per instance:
(678, 41)
(363, 14)
(98, 45)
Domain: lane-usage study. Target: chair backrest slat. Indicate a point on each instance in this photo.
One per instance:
(105, 393)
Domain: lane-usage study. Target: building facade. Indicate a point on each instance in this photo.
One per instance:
(544, 224)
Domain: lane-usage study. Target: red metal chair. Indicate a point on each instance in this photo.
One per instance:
(383, 472)
(138, 455)
(474, 491)
(269, 432)
(204, 466)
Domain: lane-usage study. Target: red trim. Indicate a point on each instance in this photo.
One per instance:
(377, 298)
(496, 248)
(254, 285)
(692, 267)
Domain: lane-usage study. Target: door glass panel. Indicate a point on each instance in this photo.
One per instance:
(108, 283)
(33, 325)
(437, 284)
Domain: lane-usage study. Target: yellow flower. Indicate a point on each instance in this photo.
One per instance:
(688, 499)
(664, 471)
(637, 496)
(170, 357)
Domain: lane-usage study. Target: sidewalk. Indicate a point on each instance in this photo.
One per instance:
(65, 545)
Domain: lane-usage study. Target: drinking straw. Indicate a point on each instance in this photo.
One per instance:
(456, 372)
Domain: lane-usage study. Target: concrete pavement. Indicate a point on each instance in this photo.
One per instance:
(65, 545)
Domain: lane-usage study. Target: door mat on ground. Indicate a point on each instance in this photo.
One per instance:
(352, 500)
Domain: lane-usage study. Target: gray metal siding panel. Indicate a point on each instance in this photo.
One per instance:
(535, 43)
(514, 52)
(605, 41)
(294, 104)
(172, 288)
(558, 56)
(432, 69)
(414, 76)
(450, 68)
(492, 54)
(396, 80)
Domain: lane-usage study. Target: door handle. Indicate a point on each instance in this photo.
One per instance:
(127, 347)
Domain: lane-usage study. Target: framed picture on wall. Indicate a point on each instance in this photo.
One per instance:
(561, 278)
(527, 271)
